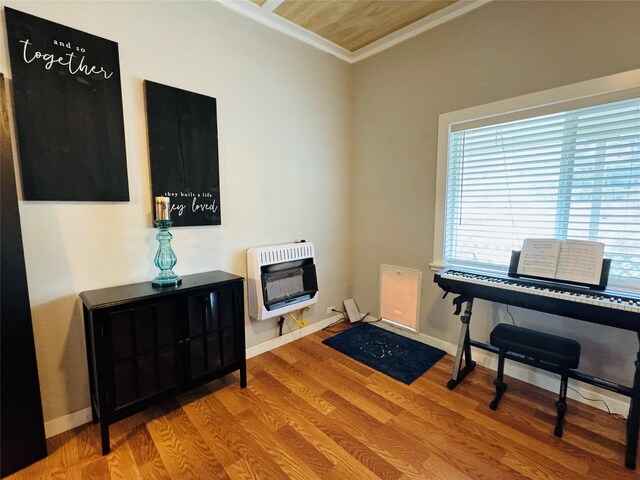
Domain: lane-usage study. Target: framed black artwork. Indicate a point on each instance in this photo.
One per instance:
(68, 108)
(183, 148)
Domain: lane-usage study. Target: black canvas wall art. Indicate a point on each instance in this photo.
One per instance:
(68, 108)
(183, 148)
(22, 426)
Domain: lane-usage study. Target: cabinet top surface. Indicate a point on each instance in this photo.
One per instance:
(111, 296)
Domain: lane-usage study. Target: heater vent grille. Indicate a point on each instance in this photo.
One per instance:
(289, 285)
(286, 254)
(285, 285)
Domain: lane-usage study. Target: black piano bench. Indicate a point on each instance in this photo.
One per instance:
(547, 351)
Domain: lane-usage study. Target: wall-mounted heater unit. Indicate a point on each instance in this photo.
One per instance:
(281, 279)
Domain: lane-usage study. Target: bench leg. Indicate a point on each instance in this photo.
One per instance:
(501, 387)
(561, 404)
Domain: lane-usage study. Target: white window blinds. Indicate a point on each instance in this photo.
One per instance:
(573, 174)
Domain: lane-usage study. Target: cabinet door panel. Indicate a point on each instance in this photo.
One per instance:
(168, 369)
(213, 352)
(209, 312)
(197, 356)
(145, 331)
(147, 375)
(212, 312)
(168, 328)
(124, 379)
(122, 335)
(145, 351)
(227, 317)
(196, 306)
(229, 345)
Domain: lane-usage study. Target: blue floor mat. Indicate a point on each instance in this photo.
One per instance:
(392, 354)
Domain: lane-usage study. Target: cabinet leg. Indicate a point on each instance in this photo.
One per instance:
(243, 376)
(94, 414)
(104, 434)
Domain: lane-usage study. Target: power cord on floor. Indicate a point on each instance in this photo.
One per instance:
(512, 319)
(343, 318)
(370, 321)
(592, 399)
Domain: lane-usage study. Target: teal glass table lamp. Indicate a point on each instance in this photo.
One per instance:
(165, 258)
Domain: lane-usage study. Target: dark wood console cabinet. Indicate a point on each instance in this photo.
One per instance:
(146, 343)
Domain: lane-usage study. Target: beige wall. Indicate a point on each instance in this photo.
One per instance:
(284, 120)
(502, 50)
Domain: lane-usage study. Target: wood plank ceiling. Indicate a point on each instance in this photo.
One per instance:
(353, 24)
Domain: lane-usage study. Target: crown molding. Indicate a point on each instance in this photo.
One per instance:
(265, 16)
(416, 28)
(271, 5)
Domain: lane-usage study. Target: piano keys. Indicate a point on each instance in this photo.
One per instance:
(551, 297)
(608, 307)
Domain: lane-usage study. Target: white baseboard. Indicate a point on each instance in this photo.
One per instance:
(290, 337)
(618, 404)
(67, 422)
(540, 378)
(75, 419)
(534, 376)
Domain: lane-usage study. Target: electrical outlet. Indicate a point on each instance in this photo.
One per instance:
(330, 309)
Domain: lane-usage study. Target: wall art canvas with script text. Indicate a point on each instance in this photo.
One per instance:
(68, 108)
(183, 148)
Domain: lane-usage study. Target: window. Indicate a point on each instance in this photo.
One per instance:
(572, 173)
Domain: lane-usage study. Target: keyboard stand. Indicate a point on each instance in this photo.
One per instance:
(464, 343)
(633, 421)
(464, 351)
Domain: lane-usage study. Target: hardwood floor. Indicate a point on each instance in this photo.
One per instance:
(310, 412)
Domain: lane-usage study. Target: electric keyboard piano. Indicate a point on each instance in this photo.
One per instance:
(607, 307)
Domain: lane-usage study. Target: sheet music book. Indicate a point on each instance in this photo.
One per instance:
(570, 260)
